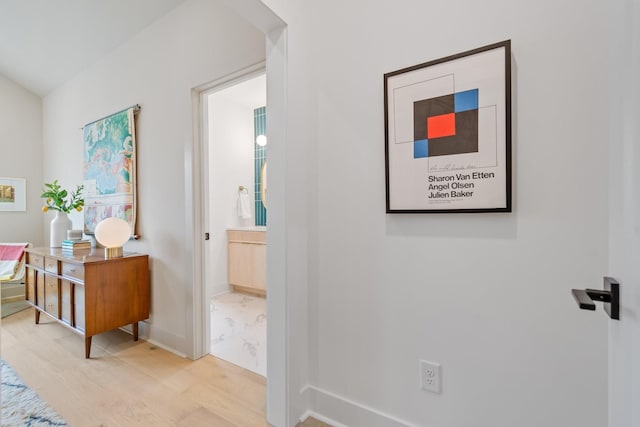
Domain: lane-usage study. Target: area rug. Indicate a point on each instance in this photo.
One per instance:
(21, 406)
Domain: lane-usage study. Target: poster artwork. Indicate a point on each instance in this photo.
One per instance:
(448, 134)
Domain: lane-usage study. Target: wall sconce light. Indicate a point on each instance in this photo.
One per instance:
(261, 140)
(112, 233)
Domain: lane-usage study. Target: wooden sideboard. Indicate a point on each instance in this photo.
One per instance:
(247, 261)
(87, 292)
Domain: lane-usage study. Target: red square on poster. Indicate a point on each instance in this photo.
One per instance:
(439, 126)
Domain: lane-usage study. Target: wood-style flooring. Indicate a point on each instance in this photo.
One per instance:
(127, 383)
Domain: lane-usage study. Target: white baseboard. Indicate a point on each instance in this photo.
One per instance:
(15, 298)
(161, 338)
(145, 337)
(339, 411)
(220, 288)
(322, 418)
(169, 349)
(12, 291)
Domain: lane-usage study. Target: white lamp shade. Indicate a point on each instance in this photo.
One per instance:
(112, 232)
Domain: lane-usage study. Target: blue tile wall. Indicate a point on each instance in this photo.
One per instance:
(260, 156)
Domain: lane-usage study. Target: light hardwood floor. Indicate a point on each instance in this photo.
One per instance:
(127, 383)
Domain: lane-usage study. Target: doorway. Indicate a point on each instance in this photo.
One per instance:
(236, 260)
(280, 409)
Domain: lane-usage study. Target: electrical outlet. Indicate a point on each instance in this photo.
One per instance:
(430, 376)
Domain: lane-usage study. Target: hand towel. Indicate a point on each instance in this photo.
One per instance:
(244, 205)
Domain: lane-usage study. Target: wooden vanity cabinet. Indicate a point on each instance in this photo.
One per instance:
(87, 292)
(247, 261)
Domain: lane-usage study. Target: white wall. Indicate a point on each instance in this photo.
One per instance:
(486, 295)
(198, 42)
(231, 164)
(21, 157)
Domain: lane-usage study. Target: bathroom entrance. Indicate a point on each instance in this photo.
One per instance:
(237, 211)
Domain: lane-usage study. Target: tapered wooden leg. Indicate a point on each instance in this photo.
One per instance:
(135, 331)
(87, 347)
(37, 315)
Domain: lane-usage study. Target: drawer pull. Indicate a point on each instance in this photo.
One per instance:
(72, 270)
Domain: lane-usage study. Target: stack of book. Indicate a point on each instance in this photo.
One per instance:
(69, 247)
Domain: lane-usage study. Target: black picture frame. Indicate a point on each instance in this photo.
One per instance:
(448, 134)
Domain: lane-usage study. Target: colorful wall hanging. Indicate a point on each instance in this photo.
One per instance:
(110, 169)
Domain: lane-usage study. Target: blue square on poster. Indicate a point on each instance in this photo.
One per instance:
(465, 101)
(420, 148)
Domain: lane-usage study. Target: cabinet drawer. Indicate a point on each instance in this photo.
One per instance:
(247, 265)
(40, 289)
(75, 271)
(35, 260)
(51, 295)
(31, 285)
(260, 267)
(66, 302)
(240, 264)
(79, 321)
(259, 237)
(51, 265)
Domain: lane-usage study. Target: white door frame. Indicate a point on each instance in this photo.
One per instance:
(200, 94)
(624, 211)
(278, 387)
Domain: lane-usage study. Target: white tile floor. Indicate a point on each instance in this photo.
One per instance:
(239, 330)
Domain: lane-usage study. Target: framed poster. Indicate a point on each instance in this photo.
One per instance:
(448, 134)
(13, 194)
(109, 172)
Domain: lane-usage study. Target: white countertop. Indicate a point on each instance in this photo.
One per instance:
(240, 228)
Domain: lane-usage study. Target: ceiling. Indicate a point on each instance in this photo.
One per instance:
(44, 43)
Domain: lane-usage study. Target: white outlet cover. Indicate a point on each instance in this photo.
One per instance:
(430, 376)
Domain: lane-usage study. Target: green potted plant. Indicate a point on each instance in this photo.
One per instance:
(63, 202)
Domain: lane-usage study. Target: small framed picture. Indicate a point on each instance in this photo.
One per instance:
(13, 194)
(448, 134)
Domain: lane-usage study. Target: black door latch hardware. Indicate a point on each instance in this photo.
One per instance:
(610, 296)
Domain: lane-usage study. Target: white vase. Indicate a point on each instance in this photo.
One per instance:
(58, 229)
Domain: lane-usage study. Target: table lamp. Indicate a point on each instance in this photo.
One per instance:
(112, 233)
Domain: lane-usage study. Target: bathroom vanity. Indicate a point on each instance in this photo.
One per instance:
(247, 260)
